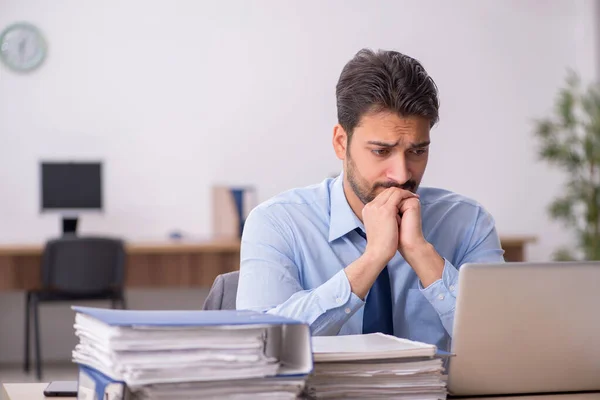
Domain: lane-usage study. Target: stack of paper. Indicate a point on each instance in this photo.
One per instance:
(267, 388)
(195, 354)
(375, 366)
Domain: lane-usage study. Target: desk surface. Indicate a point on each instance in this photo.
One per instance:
(34, 391)
(166, 246)
(27, 391)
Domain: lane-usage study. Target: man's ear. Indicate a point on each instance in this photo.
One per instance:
(340, 141)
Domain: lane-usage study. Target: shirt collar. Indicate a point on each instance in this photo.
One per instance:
(343, 219)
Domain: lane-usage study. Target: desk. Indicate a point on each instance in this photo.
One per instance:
(34, 391)
(167, 264)
(27, 391)
(149, 265)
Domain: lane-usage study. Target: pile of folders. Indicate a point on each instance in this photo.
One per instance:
(127, 354)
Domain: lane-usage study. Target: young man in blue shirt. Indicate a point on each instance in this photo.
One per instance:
(370, 250)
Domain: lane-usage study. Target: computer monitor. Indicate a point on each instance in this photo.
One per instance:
(71, 188)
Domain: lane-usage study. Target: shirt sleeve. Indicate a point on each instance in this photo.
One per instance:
(483, 246)
(270, 280)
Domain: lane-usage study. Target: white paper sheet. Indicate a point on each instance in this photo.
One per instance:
(374, 346)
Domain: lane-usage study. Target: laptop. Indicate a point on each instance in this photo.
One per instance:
(526, 328)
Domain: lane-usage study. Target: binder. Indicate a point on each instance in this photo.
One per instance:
(287, 340)
(183, 318)
(93, 385)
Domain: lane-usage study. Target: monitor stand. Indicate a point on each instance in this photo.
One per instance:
(69, 226)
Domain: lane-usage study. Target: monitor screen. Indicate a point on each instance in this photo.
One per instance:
(76, 185)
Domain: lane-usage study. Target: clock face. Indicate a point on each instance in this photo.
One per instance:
(22, 47)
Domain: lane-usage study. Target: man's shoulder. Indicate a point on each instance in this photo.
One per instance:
(313, 197)
(443, 198)
(448, 214)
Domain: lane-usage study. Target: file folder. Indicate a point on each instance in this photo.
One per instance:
(93, 385)
(287, 340)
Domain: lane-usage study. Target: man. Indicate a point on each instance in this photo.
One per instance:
(369, 251)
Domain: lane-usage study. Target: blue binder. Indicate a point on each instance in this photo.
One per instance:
(93, 385)
(289, 340)
(183, 318)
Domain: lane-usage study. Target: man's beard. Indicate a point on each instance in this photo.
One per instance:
(361, 188)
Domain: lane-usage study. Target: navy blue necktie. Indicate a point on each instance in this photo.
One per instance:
(377, 315)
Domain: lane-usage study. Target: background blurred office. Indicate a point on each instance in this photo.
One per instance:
(166, 116)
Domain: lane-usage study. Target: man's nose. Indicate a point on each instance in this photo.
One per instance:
(398, 170)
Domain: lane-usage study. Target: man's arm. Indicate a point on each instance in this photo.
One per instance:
(270, 282)
(269, 276)
(483, 246)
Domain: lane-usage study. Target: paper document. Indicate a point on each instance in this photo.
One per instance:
(373, 346)
(375, 366)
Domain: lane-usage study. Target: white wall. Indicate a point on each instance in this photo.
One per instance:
(176, 96)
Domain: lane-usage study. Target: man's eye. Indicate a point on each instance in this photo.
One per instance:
(381, 152)
(419, 152)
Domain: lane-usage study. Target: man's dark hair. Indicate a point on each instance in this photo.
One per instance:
(384, 81)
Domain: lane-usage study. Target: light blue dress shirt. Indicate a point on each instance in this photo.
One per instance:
(296, 245)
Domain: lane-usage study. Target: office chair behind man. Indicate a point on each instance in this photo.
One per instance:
(76, 269)
(223, 292)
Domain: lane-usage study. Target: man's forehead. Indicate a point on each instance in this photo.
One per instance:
(386, 121)
(400, 136)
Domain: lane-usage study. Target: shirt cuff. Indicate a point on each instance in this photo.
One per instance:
(336, 292)
(442, 293)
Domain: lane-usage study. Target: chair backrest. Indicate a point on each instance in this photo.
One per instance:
(83, 264)
(223, 293)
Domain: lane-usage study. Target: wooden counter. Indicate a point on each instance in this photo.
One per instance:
(168, 264)
(149, 265)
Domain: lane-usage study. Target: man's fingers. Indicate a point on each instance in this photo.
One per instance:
(407, 204)
(398, 196)
(382, 197)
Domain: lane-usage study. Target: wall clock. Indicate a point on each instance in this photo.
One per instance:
(22, 47)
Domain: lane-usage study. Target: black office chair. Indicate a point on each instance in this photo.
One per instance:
(76, 269)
